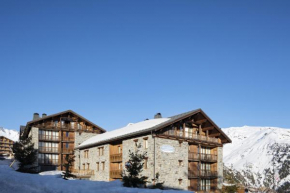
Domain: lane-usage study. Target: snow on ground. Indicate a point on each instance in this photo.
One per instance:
(51, 182)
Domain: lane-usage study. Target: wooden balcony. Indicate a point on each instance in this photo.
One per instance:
(193, 156)
(116, 174)
(48, 138)
(83, 173)
(68, 139)
(48, 150)
(67, 151)
(211, 189)
(189, 137)
(116, 157)
(202, 174)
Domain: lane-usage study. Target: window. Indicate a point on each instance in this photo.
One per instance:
(146, 163)
(98, 166)
(86, 152)
(101, 151)
(120, 166)
(119, 149)
(66, 145)
(205, 184)
(180, 181)
(146, 143)
(88, 164)
(103, 165)
(84, 166)
(180, 162)
(55, 123)
(67, 134)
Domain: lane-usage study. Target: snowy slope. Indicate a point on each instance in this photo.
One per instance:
(10, 134)
(255, 150)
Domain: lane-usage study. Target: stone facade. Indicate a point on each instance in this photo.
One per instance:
(79, 138)
(172, 173)
(220, 168)
(34, 139)
(93, 158)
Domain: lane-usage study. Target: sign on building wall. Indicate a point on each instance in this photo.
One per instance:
(167, 148)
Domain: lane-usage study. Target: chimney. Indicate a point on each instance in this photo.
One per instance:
(157, 116)
(43, 115)
(35, 116)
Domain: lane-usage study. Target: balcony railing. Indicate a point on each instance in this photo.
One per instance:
(48, 137)
(116, 174)
(202, 156)
(83, 172)
(48, 161)
(65, 138)
(207, 189)
(67, 151)
(116, 157)
(202, 173)
(48, 149)
(190, 136)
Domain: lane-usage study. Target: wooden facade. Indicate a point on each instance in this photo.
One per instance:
(5, 146)
(56, 137)
(116, 164)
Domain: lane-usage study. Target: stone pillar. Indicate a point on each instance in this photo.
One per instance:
(220, 168)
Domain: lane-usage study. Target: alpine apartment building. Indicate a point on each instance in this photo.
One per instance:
(56, 136)
(186, 150)
(6, 146)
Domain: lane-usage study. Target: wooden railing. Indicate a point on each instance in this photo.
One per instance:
(202, 157)
(83, 172)
(67, 151)
(116, 174)
(201, 173)
(189, 136)
(48, 137)
(116, 157)
(48, 149)
(64, 138)
(206, 189)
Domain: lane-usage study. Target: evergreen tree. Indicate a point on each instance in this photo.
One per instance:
(25, 154)
(69, 160)
(132, 177)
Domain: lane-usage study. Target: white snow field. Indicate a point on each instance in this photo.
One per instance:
(51, 182)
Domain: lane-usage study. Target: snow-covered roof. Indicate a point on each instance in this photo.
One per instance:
(130, 129)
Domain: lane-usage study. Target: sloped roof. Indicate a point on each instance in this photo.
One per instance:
(143, 127)
(63, 112)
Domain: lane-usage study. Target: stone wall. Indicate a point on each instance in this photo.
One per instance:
(166, 164)
(130, 145)
(220, 168)
(34, 139)
(79, 138)
(101, 175)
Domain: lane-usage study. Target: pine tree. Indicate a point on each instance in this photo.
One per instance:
(69, 160)
(132, 177)
(25, 154)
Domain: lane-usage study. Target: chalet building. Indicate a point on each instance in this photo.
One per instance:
(6, 146)
(56, 136)
(186, 150)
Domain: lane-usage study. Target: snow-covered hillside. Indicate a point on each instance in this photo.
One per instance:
(255, 151)
(10, 134)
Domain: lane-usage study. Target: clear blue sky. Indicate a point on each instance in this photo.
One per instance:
(116, 62)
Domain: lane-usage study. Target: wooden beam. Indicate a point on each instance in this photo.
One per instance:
(208, 128)
(215, 135)
(201, 121)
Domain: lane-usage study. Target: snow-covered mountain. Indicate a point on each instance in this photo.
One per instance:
(10, 134)
(258, 156)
